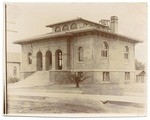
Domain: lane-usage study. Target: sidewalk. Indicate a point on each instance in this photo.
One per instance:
(78, 95)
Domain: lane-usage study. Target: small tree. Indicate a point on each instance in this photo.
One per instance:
(78, 77)
(139, 65)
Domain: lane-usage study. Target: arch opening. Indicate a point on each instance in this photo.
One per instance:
(48, 60)
(39, 63)
(58, 56)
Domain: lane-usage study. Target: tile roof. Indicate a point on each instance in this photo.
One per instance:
(70, 33)
(73, 20)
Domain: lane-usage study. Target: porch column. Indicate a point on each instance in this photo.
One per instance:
(34, 60)
(64, 61)
(53, 61)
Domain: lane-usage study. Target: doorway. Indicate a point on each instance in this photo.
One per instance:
(48, 59)
(39, 61)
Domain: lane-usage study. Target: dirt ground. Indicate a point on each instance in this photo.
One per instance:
(50, 99)
(115, 89)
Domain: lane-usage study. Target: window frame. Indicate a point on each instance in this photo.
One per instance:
(59, 59)
(106, 77)
(57, 28)
(126, 52)
(72, 28)
(64, 27)
(80, 54)
(127, 76)
(104, 50)
(85, 24)
(29, 57)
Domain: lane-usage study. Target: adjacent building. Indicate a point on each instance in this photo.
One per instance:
(140, 76)
(13, 65)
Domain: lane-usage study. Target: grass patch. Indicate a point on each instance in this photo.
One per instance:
(103, 89)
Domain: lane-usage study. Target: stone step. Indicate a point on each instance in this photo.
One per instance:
(37, 79)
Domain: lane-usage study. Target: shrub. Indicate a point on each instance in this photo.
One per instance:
(13, 79)
(78, 77)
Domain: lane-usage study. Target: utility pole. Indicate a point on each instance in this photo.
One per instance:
(5, 85)
(5, 107)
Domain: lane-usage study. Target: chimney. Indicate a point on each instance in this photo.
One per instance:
(114, 24)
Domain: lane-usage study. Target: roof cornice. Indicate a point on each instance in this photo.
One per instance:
(76, 31)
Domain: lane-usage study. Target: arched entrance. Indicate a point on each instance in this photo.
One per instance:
(58, 56)
(39, 61)
(48, 60)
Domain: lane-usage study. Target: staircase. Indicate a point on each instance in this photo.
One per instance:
(36, 79)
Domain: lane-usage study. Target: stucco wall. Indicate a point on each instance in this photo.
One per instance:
(93, 62)
(43, 46)
(59, 77)
(92, 53)
(115, 59)
(115, 63)
(86, 43)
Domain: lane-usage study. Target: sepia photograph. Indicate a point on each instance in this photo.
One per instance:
(75, 59)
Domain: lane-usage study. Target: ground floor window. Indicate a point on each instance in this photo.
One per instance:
(29, 58)
(127, 76)
(58, 56)
(106, 77)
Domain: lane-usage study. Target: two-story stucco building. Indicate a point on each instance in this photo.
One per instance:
(80, 45)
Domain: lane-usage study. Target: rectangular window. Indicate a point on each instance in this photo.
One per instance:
(127, 76)
(106, 77)
(125, 55)
(104, 53)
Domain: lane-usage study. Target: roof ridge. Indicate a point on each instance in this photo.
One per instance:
(78, 18)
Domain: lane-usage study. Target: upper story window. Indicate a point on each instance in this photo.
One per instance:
(85, 24)
(73, 26)
(57, 29)
(104, 49)
(65, 27)
(80, 54)
(126, 52)
(29, 58)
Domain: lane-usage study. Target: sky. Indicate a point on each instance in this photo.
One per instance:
(29, 19)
